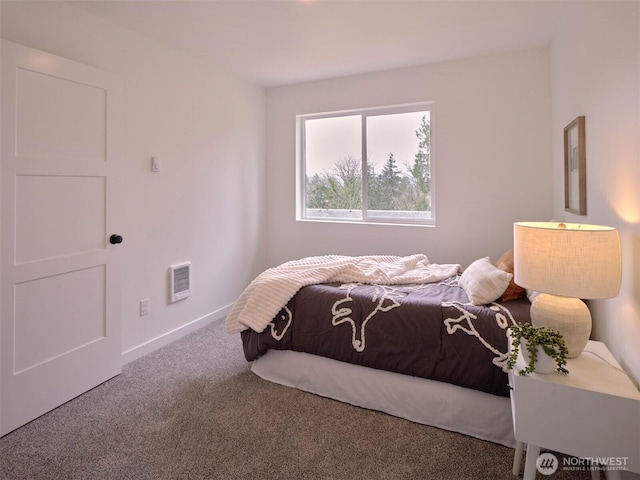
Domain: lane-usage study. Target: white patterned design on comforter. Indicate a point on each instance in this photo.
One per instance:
(465, 323)
(387, 298)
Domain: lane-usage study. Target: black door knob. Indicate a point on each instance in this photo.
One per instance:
(115, 239)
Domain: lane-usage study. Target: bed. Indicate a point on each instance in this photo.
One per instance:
(420, 341)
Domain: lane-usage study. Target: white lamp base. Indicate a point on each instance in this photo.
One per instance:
(569, 316)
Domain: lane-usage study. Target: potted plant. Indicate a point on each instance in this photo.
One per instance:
(543, 349)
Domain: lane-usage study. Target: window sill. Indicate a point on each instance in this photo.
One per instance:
(379, 222)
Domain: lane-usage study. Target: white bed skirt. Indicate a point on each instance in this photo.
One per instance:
(442, 405)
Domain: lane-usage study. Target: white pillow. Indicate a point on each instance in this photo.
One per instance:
(484, 283)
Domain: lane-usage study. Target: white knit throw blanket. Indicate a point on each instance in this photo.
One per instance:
(270, 291)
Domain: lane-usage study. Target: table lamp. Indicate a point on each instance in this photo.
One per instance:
(566, 262)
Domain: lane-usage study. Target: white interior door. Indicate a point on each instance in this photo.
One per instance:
(60, 325)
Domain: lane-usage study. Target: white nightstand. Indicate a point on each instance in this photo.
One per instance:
(593, 412)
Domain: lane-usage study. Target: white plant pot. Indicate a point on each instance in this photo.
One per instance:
(544, 363)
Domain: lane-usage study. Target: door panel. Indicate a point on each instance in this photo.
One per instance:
(59, 215)
(50, 319)
(59, 118)
(60, 325)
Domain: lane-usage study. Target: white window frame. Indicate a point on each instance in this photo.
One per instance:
(301, 175)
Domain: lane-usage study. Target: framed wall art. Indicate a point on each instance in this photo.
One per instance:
(575, 167)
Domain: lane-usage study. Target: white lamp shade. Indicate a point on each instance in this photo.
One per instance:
(567, 259)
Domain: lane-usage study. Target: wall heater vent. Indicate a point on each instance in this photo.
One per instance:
(179, 281)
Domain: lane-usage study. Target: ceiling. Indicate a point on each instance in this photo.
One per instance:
(276, 43)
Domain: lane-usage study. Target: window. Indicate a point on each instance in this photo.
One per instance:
(371, 165)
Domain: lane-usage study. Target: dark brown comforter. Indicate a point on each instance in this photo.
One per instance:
(428, 330)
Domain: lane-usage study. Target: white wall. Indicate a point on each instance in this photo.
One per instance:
(492, 157)
(207, 203)
(596, 73)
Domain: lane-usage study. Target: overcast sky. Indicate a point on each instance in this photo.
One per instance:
(329, 140)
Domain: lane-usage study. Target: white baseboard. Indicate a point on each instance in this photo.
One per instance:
(173, 335)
